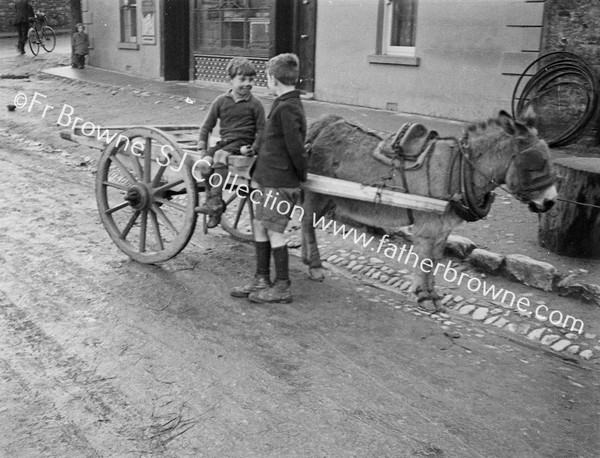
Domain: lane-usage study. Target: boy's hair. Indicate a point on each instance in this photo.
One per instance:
(78, 25)
(240, 66)
(285, 68)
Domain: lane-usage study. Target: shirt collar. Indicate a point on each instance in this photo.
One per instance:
(237, 98)
(289, 95)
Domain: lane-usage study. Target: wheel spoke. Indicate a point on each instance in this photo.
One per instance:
(117, 208)
(230, 199)
(123, 169)
(250, 209)
(115, 185)
(154, 223)
(129, 225)
(170, 204)
(238, 212)
(158, 175)
(143, 229)
(135, 163)
(166, 221)
(166, 186)
(138, 168)
(147, 160)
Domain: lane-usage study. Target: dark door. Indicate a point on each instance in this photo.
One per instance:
(304, 42)
(176, 44)
(295, 31)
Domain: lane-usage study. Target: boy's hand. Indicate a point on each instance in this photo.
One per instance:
(247, 150)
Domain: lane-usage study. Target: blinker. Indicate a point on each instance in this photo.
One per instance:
(534, 170)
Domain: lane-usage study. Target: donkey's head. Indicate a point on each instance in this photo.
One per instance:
(529, 176)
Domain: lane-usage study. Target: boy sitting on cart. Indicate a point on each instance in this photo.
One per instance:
(242, 121)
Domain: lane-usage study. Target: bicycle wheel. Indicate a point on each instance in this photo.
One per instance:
(34, 43)
(48, 39)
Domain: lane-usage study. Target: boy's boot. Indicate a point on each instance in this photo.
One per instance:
(259, 283)
(281, 291)
(214, 205)
(262, 277)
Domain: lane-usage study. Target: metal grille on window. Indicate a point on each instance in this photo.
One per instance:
(232, 27)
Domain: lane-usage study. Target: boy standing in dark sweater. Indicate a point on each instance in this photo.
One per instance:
(241, 119)
(281, 166)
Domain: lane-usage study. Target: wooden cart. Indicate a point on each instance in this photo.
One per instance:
(148, 184)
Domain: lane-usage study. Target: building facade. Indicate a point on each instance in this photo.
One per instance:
(458, 59)
(194, 39)
(450, 58)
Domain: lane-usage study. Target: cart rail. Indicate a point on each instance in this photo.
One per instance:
(187, 136)
(148, 196)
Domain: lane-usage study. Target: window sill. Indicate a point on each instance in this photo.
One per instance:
(394, 60)
(135, 46)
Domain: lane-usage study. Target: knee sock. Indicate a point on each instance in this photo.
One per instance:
(280, 256)
(263, 258)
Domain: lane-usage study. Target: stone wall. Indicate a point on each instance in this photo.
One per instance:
(574, 26)
(58, 13)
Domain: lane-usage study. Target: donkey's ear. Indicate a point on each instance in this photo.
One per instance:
(507, 122)
(529, 118)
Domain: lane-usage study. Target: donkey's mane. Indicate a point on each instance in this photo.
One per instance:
(482, 128)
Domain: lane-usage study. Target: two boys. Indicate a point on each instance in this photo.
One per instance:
(280, 167)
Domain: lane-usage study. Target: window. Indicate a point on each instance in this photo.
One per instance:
(232, 27)
(396, 31)
(399, 27)
(128, 21)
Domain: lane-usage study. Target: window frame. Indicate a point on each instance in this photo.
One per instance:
(128, 9)
(389, 49)
(393, 55)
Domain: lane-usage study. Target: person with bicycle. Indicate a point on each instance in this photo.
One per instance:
(24, 11)
(81, 46)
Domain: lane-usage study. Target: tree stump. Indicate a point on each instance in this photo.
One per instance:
(569, 229)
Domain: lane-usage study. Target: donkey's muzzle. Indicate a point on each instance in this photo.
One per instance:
(537, 208)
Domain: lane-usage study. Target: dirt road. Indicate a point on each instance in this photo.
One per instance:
(105, 357)
(101, 356)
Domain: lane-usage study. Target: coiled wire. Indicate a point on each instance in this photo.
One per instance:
(559, 74)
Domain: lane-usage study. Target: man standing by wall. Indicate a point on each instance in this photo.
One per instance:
(24, 11)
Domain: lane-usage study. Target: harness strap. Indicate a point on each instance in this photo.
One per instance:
(466, 205)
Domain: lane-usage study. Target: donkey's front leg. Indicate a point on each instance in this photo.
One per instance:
(423, 282)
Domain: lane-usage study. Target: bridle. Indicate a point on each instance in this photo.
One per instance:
(466, 204)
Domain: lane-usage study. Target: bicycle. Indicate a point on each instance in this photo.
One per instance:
(40, 34)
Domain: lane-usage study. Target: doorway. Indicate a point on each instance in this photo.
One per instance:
(176, 42)
(295, 31)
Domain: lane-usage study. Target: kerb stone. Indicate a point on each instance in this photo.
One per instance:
(531, 272)
(561, 345)
(459, 246)
(485, 260)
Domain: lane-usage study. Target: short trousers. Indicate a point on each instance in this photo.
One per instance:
(231, 147)
(275, 207)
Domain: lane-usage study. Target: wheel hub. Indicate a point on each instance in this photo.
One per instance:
(138, 197)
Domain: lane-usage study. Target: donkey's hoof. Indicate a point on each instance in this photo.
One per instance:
(439, 308)
(427, 305)
(316, 273)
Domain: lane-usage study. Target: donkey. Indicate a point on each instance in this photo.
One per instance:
(463, 172)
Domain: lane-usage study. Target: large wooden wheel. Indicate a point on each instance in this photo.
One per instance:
(147, 194)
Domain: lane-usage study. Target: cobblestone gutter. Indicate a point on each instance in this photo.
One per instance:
(520, 325)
